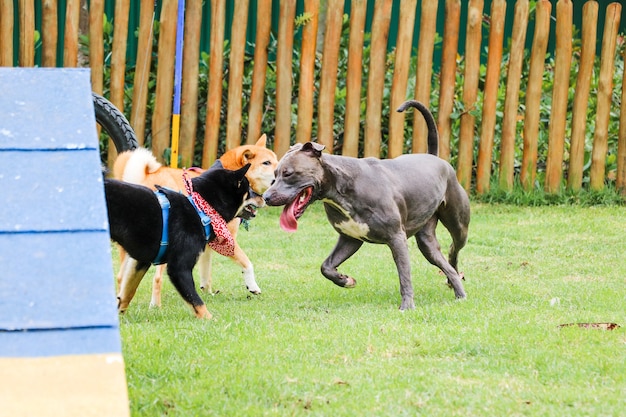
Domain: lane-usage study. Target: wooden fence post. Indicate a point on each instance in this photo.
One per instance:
(353, 83)
(492, 83)
(118, 53)
(605, 92)
(470, 92)
(511, 101)
(235, 73)
(142, 69)
(558, 115)
(581, 96)
(448, 75)
(282, 131)
(534, 92)
(96, 45)
(6, 33)
(328, 82)
(162, 116)
(621, 140)
(70, 38)
(189, 87)
(50, 33)
(27, 33)
(214, 94)
(423, 78)
(376, 77)
(402, 59)
(263, 29)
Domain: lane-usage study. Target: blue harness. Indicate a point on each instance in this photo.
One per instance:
(165, 212)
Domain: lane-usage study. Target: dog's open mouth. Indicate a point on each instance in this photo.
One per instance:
(248, 212)
(292, 211)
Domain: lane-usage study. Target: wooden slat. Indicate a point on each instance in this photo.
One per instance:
(621, 140)
(257, 95)
(96, 45)
(404, 43)
(490, 100)
(214, 95)
(533, 93)
(376, 77)
(27, 33)
(470, 92)
(423, 78)
(70, 38)
(558, 115)
(235, 73)
(511, 101)
(605, 91)
(352, 119)
(142, 69)
(6, 33)
(49, 33)
(581, 97)
(118, 53)
(307, 73)
(328, 82)
(189, 90)
(161, 121)
(448, 75)
(284, 71)
(118, 64)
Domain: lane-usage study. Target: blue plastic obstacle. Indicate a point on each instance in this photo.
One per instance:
(60, 349)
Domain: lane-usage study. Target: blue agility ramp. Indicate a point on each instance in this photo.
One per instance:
(60, 349)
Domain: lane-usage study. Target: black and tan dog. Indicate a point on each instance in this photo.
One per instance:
(136, 218)
(378, 201)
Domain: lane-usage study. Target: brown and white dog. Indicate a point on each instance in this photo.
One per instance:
(139, 166)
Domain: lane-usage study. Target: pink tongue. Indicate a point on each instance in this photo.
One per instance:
(288, 220)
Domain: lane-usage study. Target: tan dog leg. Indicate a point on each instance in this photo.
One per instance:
(240, 258)
(123, 259)
(204, 269)
(157, 283)
(130, 281)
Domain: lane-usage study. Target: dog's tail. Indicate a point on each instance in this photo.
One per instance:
(140, 163)
(433, 133)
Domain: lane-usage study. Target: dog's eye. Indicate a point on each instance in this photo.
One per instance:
(267, 163)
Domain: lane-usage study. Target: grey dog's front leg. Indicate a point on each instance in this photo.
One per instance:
(400, 250)
(345, 248)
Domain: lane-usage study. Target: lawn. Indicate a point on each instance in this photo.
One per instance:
(306, 347)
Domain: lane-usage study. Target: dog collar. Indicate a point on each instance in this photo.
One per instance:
(165, 212)
(205, 219)
(223, 243)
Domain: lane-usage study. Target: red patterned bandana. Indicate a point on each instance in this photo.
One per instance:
(223, 243)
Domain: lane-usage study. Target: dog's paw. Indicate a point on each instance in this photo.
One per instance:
(202, 312)
(350, 282)
(407, 304)
(256, 291)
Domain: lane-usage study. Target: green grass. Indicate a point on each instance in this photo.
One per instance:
(308, 348)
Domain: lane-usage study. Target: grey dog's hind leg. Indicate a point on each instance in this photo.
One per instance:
(431, 249)
(345, 248)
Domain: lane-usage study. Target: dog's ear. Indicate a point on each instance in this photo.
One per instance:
(262, 142)
(313, 148)
(246, 156)
(242, 171)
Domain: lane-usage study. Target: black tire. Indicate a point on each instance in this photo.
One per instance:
(114, 124)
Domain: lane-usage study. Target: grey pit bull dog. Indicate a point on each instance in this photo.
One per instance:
(378, 201)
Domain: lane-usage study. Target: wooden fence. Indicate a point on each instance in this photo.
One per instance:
(474, 169)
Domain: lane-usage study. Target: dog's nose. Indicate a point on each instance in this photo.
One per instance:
(252, 194)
